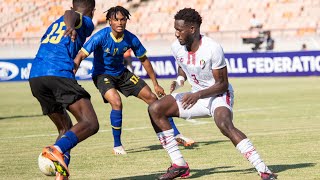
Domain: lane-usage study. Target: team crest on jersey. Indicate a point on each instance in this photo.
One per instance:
(106, 80)
(202, 63)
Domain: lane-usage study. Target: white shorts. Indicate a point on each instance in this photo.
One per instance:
(204, 107)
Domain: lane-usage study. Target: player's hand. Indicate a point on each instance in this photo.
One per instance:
(71, 32)
(159, 90)
(189, 99)
(175, 85)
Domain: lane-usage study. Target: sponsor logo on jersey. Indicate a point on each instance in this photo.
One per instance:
(202, 63)
(8, 71)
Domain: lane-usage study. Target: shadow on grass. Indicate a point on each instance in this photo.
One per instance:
(283, 167)
(157, 147)
(20, 116)
(196, 173)
(275, 168)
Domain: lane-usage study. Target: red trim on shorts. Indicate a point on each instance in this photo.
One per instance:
(228, 98)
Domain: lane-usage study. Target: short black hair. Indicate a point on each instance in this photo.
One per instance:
(113, 12)
(189, 15)
(84, 3)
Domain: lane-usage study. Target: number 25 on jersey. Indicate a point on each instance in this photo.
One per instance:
(56, 33)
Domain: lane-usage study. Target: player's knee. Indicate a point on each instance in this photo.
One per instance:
(117, 104)
(93, 127)
(150, 98)
(154, 108)
(153, 97)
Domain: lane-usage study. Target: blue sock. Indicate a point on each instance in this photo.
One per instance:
(66, 158)
(175, 130)
(116, 123)
(67, 141)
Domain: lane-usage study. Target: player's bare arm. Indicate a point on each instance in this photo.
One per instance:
(220, 86)
(148, 67)
(179, 82)
(71, 19)
(80, 56)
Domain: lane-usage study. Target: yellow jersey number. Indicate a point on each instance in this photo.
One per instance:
(134, 79)
(56, 33)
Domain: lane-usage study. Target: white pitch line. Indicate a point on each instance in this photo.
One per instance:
(193, 121)
(257, 109)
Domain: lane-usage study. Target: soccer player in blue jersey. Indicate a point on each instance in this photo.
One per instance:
(53, 83)
(110, 75)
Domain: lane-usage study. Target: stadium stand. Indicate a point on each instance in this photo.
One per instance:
(152, 21)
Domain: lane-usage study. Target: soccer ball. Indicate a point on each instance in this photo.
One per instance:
(46, 166)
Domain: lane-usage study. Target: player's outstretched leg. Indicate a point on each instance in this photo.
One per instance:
(250, 153)
(223, 119)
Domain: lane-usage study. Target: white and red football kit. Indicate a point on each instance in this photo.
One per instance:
(198, 67)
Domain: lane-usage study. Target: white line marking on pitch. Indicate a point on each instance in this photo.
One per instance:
(193, 121)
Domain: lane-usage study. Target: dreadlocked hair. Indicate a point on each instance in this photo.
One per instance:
(113, 12)
(189, 15)
(84, 3)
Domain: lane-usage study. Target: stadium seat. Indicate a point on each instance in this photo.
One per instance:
(28, 19)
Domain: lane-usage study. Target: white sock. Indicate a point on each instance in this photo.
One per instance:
(249, 152)
(170, 144)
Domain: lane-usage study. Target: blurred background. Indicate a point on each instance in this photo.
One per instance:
(269, 39)
(238, 25)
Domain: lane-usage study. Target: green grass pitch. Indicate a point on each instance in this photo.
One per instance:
(279, 115)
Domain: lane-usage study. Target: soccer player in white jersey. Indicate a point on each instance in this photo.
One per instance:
(201, 61)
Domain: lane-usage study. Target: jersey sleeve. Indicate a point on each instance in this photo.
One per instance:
(137, 48)
(92, 44)
(218, 60)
